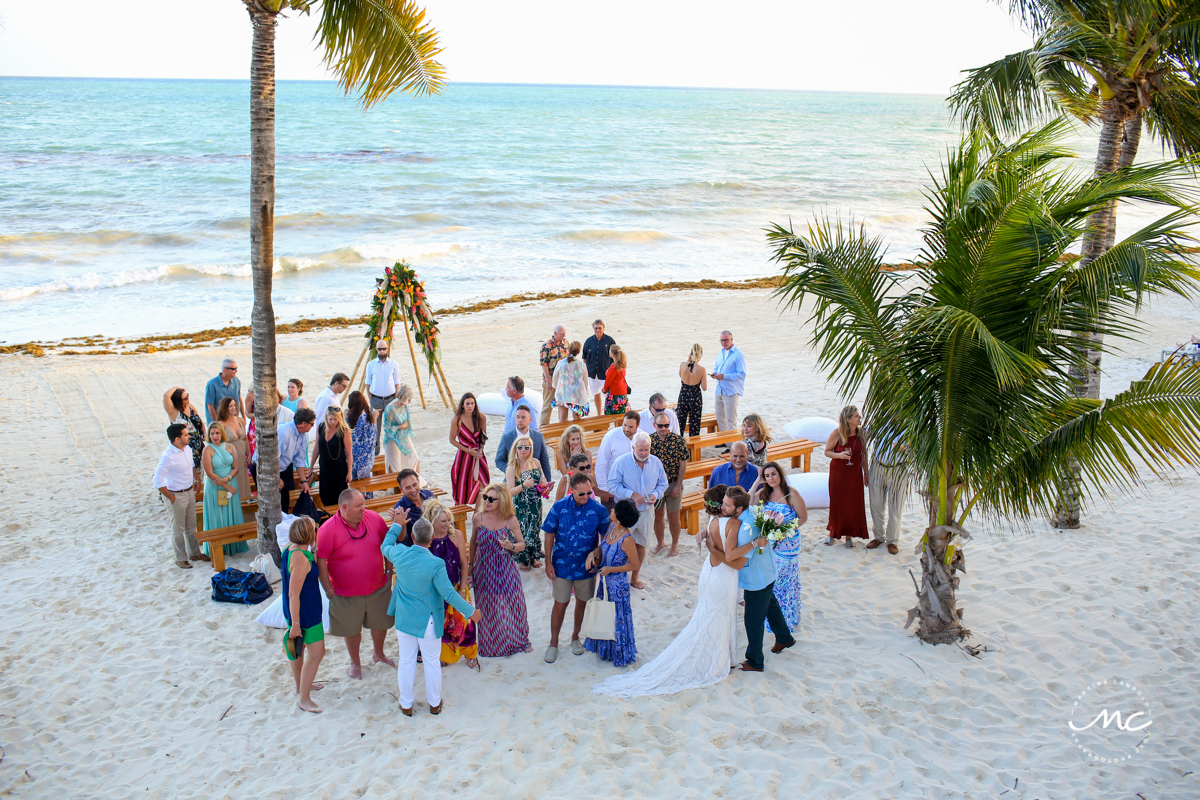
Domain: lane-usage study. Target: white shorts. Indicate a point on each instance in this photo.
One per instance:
(595, 385)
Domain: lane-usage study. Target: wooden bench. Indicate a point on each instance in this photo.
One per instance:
(553, 430)
(716, 439)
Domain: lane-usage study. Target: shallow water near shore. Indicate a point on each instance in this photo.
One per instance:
(124, 202)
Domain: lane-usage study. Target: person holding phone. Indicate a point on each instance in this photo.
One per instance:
(730, 375)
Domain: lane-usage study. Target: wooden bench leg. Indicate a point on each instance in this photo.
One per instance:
(797, 461)
(217, 553)
(808, 461)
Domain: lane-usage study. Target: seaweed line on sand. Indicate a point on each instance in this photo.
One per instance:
(156, 343)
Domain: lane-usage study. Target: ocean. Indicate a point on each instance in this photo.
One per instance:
(124, 203)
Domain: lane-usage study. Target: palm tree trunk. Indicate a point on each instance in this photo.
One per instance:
(1095, 243)
(1129, 147)
(262, 259)
(937, 603)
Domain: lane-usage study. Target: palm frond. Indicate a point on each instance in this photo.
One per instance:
(378, 46)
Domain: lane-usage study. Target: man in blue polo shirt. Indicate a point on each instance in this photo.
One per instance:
(737, 472)
(573, 530)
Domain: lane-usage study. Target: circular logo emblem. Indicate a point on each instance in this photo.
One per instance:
(1110, 721)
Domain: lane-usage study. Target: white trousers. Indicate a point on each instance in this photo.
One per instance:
(888, 492)
(431, 658)
(727, 418)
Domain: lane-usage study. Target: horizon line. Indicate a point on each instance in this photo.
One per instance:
(494, 83)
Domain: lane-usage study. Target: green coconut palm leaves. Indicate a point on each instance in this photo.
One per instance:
(968, 359)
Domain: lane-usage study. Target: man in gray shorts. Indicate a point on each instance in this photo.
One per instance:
(573, 530)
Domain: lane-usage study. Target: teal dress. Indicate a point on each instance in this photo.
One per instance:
(222, 516)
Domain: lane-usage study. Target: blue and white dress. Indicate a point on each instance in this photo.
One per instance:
(787, 569)
(622, 651)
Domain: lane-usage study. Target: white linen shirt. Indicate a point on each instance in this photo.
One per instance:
(383, 377)
(647, 423)
(324, 400)
(174, 471)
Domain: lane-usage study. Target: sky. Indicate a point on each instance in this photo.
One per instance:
(913, 46)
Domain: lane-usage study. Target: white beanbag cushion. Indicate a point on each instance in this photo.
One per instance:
(812, 486)
(494, 404)
(283, 530)
(273, 616)
(815, 429)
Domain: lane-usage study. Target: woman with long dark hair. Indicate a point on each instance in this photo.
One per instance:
(468, 433)
(361, 419)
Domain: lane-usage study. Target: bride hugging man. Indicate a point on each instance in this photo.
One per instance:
(706, 649)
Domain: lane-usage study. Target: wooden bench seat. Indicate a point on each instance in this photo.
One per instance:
(799, 451)
(715, 439)
(222, 536)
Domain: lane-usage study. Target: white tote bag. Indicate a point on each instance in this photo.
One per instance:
(600, 616)
(263, 563)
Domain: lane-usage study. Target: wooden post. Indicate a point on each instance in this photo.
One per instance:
(354, 374)
(412, 352)
(443, 389)
(446, 382)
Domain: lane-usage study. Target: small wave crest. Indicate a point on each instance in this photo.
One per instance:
(602, 235)
(93, 237)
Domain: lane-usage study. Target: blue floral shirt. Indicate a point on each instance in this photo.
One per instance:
(577, 531)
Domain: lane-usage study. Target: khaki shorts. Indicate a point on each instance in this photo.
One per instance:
(349, 615)
(644, 528)
(584, 589)
(671, 504)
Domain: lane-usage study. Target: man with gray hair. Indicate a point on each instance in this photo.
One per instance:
(225, 384)
(658, 405)
(418, 605)
(553, 351)
(639, 476)
(730, 375)
(383, 377)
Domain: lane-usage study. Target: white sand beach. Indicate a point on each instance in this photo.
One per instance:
(122, 678)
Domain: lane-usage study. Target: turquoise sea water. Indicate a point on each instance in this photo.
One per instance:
(123, 203)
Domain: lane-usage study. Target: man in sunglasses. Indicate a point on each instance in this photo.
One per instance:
(225, 384)
(658, 405)
(669, 448)
(573, 530)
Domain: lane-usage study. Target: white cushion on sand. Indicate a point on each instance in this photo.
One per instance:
(273, 616)
(812, 486)
(815, 429)
(283, 530)
(496, 404)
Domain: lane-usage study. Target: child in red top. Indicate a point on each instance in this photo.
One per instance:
(616, 390)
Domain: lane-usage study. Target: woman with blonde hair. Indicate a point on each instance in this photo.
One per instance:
(524, 480)
(693, 379)
(503, 627)
(570, 383)
(235, 436)
(332, 455)
(399, 450)
(847, 477)
(458, 636)
(302, 609)
(223, 470)
(757, 435)
(616, 388)
(570, 443)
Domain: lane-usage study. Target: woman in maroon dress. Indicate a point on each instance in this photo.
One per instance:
(468, 432)
(847, 477)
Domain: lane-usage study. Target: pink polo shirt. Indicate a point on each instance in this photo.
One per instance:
(353, 556)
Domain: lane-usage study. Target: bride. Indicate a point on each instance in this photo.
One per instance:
(704, 652)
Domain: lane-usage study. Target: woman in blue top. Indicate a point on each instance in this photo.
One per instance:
(294, 400)
(618, 557)
(302, 609)
(772, 489)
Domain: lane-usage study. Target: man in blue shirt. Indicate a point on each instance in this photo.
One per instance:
(757, 580)
(737, 472)
(293, 457)
(515, 391)
(639, 476)
(573, 530)
(730, 375)
(523, 418)
(411, 503)
(223, 385)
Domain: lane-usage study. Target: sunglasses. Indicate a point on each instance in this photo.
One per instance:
(662, 427)
(490, 499)
(524, 447)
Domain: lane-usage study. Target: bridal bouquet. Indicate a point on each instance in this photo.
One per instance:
(771, 524)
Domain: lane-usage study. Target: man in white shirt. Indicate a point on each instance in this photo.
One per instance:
(330, 394)
(658, 405)
(616, 443)
(383, 378)
(293, 457)
(175, 481)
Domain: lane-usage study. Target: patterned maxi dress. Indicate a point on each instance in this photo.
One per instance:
(458, 636)
(787, 569)
(622, 651)
(362, 440)
(528, 503)
(468, 474)
(503, 627)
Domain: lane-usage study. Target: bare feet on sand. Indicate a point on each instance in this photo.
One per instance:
(657, 549)
(355, 671)
(380, 658)
(310, 707)
(674, 551)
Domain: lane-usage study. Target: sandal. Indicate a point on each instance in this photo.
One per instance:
(473, 663)
(849, 543)
(829, 542)
(637, 584)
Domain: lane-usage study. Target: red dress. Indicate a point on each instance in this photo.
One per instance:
(468, 474)
(847, 511)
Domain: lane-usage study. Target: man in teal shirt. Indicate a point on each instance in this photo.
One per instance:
(757, 580)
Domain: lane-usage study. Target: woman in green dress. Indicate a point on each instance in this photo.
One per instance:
(525, 483)
(222, 466)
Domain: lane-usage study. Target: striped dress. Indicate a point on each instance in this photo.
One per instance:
(503, 627)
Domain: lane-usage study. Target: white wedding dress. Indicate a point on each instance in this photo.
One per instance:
(701, 654)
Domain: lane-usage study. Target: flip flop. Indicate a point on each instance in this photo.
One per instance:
(637, 585)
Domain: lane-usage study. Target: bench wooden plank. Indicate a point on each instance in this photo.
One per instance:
(695, 443)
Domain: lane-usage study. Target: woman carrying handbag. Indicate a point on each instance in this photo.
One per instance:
(618, 557)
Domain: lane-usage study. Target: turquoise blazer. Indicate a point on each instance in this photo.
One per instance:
(422, 587)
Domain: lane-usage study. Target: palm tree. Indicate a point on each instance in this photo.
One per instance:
(374, 47)
(968, 361)
(1121, 62)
